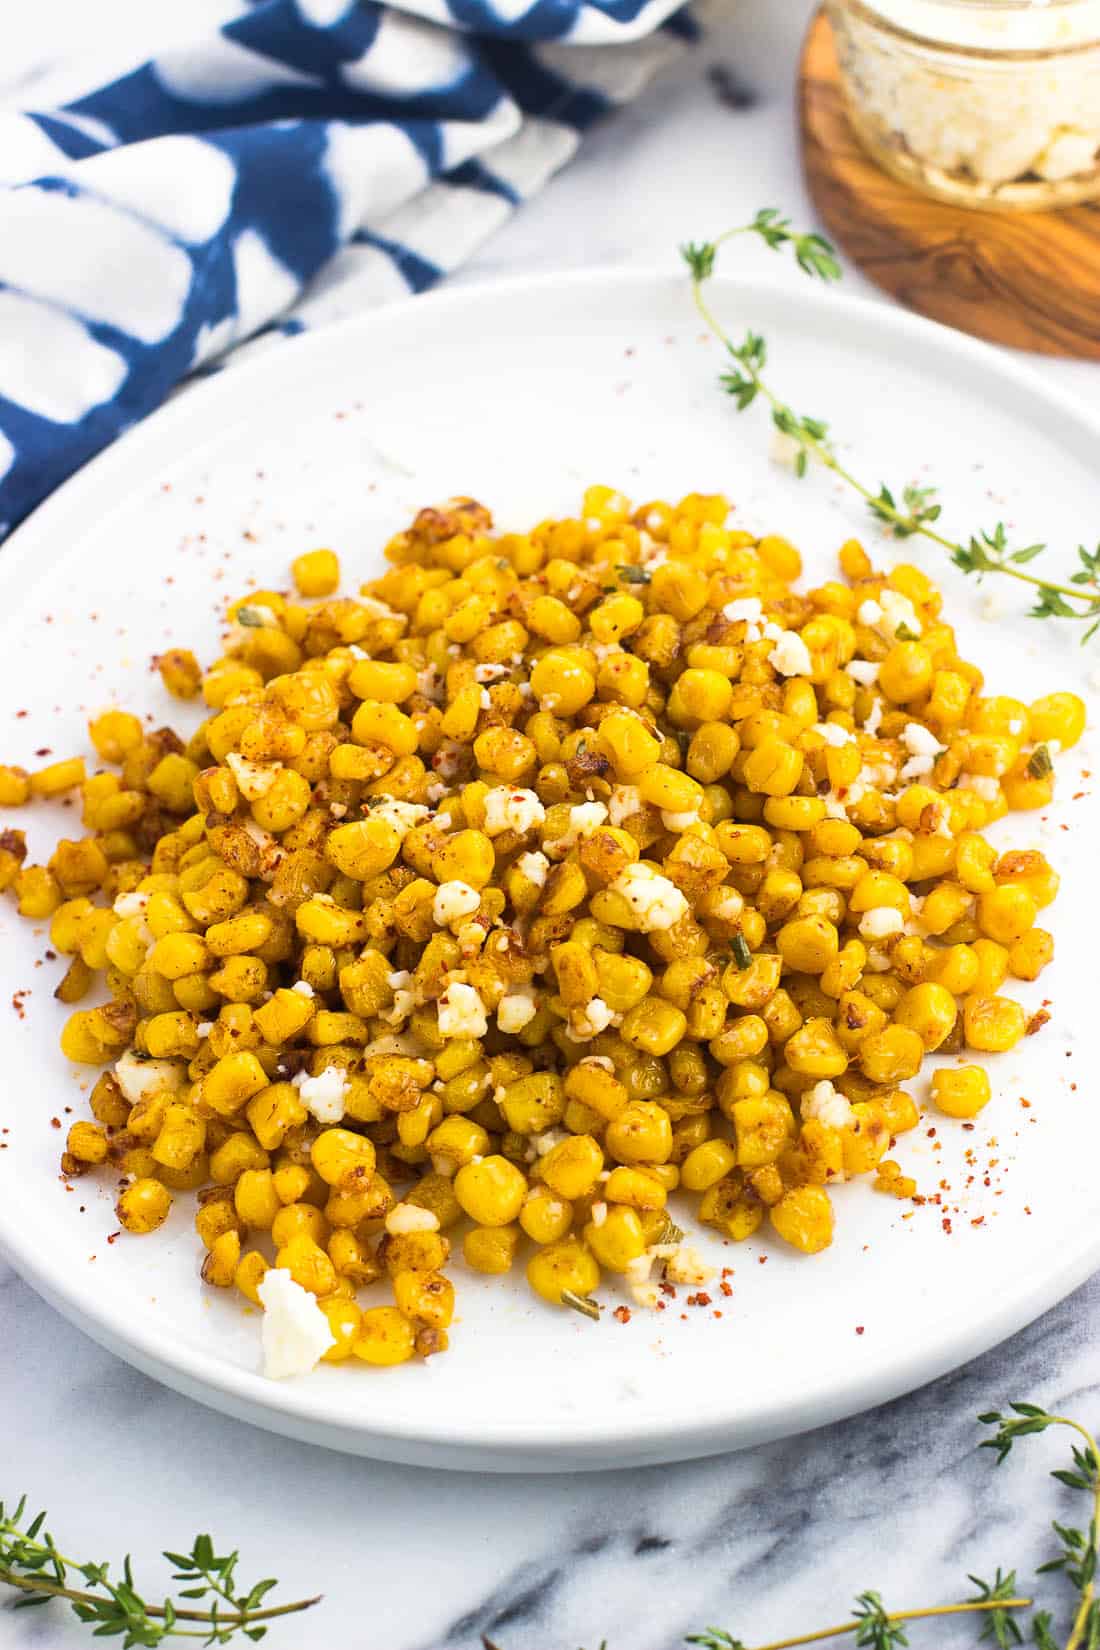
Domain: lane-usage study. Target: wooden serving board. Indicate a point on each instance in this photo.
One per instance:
(1027, 279)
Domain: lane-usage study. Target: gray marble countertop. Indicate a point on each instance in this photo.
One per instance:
(773, 1541)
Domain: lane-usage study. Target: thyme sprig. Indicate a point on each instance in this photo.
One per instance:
(986, 552)
(31, 1564)
(877, 1628)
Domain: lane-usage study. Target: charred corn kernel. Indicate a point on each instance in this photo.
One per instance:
(307, 1263)
(236, 1154)
(291, 1220)
(641, 1133)
(37, 892)
(616, 1239)
(1059, 716)
(250, 1273)
(353, 1258)
(1006, 913)
(220, 1264)
(929, 1010)
(425, 1298)
(490, 1249)
(180, 672)
(345, 1322)
(385, 1337)
(87, 1143)
(807, 945)
(803, 1217)
(177, 955)
(545, 1217)
(891, 1055)
(992, 967)
(58, 777)
(317, 573)
(342, 1158)
(814, 1051)
(563, 1267)
(707, 1164)
(181, 1137)
(491, 1192)
(654, 1026)
(993, 1024)
(1030, 954)
(961, 1091)
(773, 768)
(143, 1206)
(15, 786)
(571, 1168)
(256, 1200)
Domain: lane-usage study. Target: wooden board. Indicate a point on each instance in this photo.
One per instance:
(1027, 279)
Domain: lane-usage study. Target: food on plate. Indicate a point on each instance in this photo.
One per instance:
(556, 883)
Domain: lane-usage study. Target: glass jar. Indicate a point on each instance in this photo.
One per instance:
(986, 103)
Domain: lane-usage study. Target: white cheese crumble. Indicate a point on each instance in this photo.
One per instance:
(862, 671)
(323, 1095)
(510, 809)
(686, 1265)
(131, 905)
(489, 673)
(643, 1292)
(679, 822)
(833, 734)
(590, 1020)
(880, 922)
(515, 1011)
(598, 1213)
(983, 785)
(139, 1078)
(303, 988)
(546, 1141)
(461, 1012)
(253, 779)
(874, 718)
(898, 611)
(401, 815)
(203, 1029)
(378, 609)
(295, 1332)
(827, 1106)
(535, 867)
(624, 801)
(790, 656)
(747, 608)
(453, 901)
(410, 1217)
(869, 613)
(584, 818)
(656, 902)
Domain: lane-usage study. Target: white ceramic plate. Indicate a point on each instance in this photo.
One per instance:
(521, 394)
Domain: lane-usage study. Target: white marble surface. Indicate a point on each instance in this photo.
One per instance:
(775, 1540)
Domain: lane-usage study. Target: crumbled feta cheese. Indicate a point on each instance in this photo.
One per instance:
(399, 1010)
(898, 612)
(534, 867)
(728, 904)
(399, 980)
(686, 1265)
(599, 1060)
(624, 801)
(827, 1106)
(834, 807)
(919, 740)
(584, 818)
(833, 734)
(547, 1140)
(295, 1332)
(323, 1095)
(1016, 726)
(643, 1292)
(862, 671)
(747, 608)
(656, 902)
(508, 808)
(590, 1020)
(401, 815)
(869, 613)
(410, 1217)
(790, 656)
(131, 905)
(598, 1213)
(874, 718)
(880, 922)
(138, 1078)
(515, 1011)
(378, 609)
(253, 779)
(454, 900)
(358, 652)
(679, 822)
(917, 767)
(983, 785)
(303, 988)
(429, 683)
(485, 699)
(461, 1012)
(436, 791)
(878, 960)
(489, 673)
(203, 1029)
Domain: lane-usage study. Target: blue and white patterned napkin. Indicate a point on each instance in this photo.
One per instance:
(305, 160)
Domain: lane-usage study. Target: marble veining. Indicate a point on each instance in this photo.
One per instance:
(775, 1540)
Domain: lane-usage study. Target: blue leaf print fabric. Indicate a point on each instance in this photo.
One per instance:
(301, 162)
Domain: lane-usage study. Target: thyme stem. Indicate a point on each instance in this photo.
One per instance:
(901, 1615)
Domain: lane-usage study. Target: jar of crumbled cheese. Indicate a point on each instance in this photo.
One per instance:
(984, 103)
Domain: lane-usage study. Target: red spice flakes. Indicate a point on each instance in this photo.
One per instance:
(668, 1289)
(660, 1306)
(931, 1133)
(978, 1220)
(727, 1271)
(18, 999)
(701, 1299)
(716, 1313)
(859, 1328)
(1037, 1021)
(1025, 1103)
(946, 1224)
(45, 751)
(55, 1122)
(725, 1288)
(762, 1259)
(622, 1313)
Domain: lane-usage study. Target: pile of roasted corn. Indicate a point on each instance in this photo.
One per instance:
(554, 874)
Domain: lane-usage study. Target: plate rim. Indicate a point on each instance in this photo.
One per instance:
(300, 1408)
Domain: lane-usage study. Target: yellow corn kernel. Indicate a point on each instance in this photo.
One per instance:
(143, 1206)
(566, 1266)
(803, 1217)
(491, 1249)
(707, 1164)
(1059, 716)
(385, 1337)
(1006, 913)
(1030, 954)
(993, 1024)
(345, 1322)
(545, 1217)
(961, 1091)
(929, 1010)
(317, 573)
(492, 1191)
